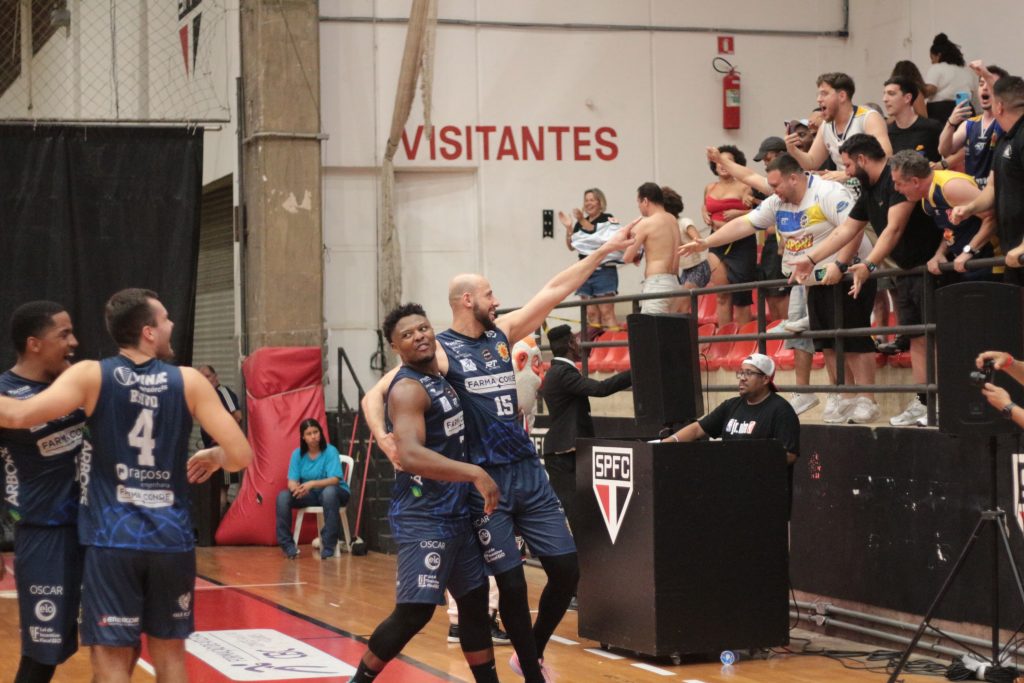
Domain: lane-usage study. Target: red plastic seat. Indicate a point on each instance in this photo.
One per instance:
(705, 330)
(598, 356)
(719, 350)
(620, 359)
(707, 304)
(606, 360)
(742, 349)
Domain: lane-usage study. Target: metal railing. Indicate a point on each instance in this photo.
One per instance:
(926, 328)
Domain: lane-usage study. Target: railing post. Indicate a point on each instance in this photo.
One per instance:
(837, 306)
(584, 336)
(927, 315)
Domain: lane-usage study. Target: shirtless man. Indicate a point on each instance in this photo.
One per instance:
(658, 233)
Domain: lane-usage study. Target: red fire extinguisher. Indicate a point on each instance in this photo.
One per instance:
(731, 100)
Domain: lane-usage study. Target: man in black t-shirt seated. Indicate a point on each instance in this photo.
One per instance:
(757, 413)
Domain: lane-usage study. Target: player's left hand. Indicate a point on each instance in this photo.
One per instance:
(960, 262)
(203, 464)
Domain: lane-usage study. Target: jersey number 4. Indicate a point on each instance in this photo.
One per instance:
(141, 436)
(503, 404)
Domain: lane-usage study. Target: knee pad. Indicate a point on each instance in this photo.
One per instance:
(563, 572)
(474, 620)
(511, 584)
(406, 621)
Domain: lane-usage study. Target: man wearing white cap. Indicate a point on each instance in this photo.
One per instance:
(758, 412)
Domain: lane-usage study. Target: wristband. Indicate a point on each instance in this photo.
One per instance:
(1007, 410)
(950, 123)
(1009, 362)
(813, 262)
(672, 437)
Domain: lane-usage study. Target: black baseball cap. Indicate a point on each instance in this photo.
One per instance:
(770, 144)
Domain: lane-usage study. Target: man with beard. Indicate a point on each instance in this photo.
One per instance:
(134, 511)
(42, 493)
(567, 393)
(428, 514)
(1005, 188)
(474, 356)
(805, 210)
(905, 234)
(758, 412)
(976, 135)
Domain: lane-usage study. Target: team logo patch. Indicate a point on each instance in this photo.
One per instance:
(502, 348)
(485, 536)
(613, 484)
(45, 610)
(432, 561)
(184, 600)
(467, 365)
(1018, 489)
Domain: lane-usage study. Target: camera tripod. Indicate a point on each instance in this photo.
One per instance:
(995, 518)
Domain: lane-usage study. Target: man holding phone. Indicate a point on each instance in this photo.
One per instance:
(908, 130)
(976, 135)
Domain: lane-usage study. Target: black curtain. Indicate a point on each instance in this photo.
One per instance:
(85, 212)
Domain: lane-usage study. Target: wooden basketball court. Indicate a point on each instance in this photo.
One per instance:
(331, 607)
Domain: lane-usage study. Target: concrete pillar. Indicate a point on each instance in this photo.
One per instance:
(280, 161)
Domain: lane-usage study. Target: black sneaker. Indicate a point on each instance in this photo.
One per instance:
(453, 633)
(899, 345)
(498, 637)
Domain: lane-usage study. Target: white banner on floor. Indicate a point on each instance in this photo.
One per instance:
(263, 654)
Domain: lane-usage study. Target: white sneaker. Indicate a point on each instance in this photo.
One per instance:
(864, 410)
(803, 402)
(914, 414)
(837, 409)
(795, 326)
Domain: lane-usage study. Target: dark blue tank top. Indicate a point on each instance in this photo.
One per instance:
(134, 485)
(424, 508)
(979, 146)
(481, 372)
(40, 478)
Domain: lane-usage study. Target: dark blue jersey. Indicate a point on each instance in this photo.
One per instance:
(424, 508)
(40, 478)
(481, 371)
(136, 493)
(980, 145)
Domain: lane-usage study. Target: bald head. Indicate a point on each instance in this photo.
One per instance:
(464, 283)
(472, 301)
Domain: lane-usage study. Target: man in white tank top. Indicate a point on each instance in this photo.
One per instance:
(842, 119)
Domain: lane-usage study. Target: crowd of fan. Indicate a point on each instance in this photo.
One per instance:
(933, 176)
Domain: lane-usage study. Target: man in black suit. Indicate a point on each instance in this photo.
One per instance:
(566, 393)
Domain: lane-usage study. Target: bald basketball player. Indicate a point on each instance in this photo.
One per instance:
(657, 233)
(474, 355)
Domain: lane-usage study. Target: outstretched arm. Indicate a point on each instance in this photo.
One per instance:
(77, 387)
(525, 320)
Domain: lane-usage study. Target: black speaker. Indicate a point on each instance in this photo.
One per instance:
(972, 317)
(665, 369)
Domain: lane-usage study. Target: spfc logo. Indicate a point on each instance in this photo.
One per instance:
(613, 484)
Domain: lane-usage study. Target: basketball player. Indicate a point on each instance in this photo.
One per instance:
(474, 356)
(134, 507)
(42, 494)
(429, 515)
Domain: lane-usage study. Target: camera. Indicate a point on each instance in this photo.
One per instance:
(985, 375)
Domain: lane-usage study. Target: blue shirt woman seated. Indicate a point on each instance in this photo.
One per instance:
(315, 477)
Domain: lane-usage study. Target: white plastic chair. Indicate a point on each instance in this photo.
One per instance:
(347, 465)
